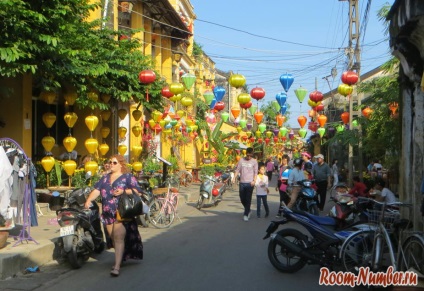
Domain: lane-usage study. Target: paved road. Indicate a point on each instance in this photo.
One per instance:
(213, 249)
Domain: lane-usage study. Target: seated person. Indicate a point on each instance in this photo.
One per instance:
(359, 188)
(296, 175)
(342, 194)
(381, 193)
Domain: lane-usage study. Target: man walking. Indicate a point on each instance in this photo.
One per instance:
(248, 169)
(322, 175)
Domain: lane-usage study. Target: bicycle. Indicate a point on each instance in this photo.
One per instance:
(163, 208)
(389, 244)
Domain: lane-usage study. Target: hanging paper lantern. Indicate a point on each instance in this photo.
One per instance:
(186, 101)
(103, 149)
(367, 112)
(136, 130)
(69, 143)
(105, 114)
(209, 96)
(319, 107)
(91, 145)
(147, 76)
(268, 134)
(225, 116)
(252, 109)
(237, 80)
(340, 128)
(243, 98)
(137, 166)
(262, 127)
(267, 140)
(312, 113)
(157, 129)
(354, 123)
(246, 105)
(91, 122)
(316, 96)
(176, 88)
(258, 133)
(291, 134)
(136, 114)
(345, 117)
(175, 98)
(276, 131)
(181, 113)
(69, 166)
(283, 109)
(280, 119)
(321, 131)
(48, 143)
(258, 116)
(104, 131)
(249, 126)
(300, 93)
(162, 123)
(243, 123)
(257, 93)
(157, 115)
(219, 93)
(188, 80)
(281, 98)
(286, 81)
(105, 98)
(70, 119)
(350, 77)
(93, 96)
(235, 111)
(136, 150)
(91, 166)
(313, 126)
(70, 98)
(122, 113)
(275, 139)
(302, 120)
(322, 120)
(49, 119)
(166, 92)
(122, 149)
(48, 96)
(283, 131)
(47, 163)
(345, 89)
(122, 132)
(219, 106)
(213, 103)
(302, 132)
(239, 129)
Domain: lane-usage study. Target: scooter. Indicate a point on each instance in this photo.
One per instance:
(349, 210)
(306, 198)
(211, 190)
(80, 232)
(289, 250)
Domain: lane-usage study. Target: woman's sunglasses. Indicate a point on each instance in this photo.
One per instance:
(114, 162)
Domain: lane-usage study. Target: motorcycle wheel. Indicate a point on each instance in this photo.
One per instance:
(142, 219)
(313, 209)
(75, 260)
(282, 259)
(200, 202)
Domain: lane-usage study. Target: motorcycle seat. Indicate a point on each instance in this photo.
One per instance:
(323, 220)
(218, 185)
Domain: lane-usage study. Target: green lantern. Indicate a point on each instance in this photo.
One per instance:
(302, 132)
(340, 128)
(262, 127)
(252, 109)
(321, 131)
(225, 116)
(188, 80)
(283, 131)
(209, 96)
(243, 123)
(300, 93)
(275, 105)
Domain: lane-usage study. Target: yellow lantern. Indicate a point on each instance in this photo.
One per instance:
(239, 129)
(48, 143)
(105, 98)
(176, 88)
(105, 114)
(70, 119)
(93, 96)
(258, 133)
(91, 145)
(186, 101)
(152, 123)
(122, 149)
(103, 149)
(105, 131)
(47, 163)
(91, 166)
(136, 130)
(70, 98)
(122, 113)
(49, 119)
(181, 113)
(137, 114)
(69, 166)
(91, 121)
(162, 123)
(157, 115)
(136, 149)
(48, 96)
(268, 134)
(69, 143)
(137, 166)
(122, 131)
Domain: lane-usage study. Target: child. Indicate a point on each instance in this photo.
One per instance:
(262, 190)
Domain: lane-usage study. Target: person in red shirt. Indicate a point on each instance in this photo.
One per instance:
(359, 188)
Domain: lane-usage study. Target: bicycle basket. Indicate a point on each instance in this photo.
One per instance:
(387, 217)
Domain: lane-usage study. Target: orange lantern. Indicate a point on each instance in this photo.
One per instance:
(91, 122)
(91, 145)
(393, 107)
(302, 120)
(322, 120)
(258, 116)
(367, 112)
(69, 143)
(345, 117)
(48, 143)
(235, 112)
(280, 119)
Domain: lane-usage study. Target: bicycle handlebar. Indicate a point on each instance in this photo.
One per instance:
(384, 203)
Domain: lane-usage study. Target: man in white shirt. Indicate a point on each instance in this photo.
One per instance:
(383, 194)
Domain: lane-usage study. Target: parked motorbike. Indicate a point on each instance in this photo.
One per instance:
(147, 194)
(289, 250)
(306, 198)
(80, 228)
(349, 210)
(211, 190)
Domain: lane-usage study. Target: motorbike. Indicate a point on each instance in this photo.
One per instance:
(80, 229)
(349, 210)
(147, 195)
(289, 250)
(211, 190)
(306, 198)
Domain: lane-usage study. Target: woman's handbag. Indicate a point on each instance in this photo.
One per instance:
(131, 205)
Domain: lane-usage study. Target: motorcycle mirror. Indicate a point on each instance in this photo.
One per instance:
(88, 175)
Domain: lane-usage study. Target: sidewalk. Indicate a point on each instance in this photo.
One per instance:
(28, 254)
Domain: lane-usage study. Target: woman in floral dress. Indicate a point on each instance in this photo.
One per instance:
(124, 234)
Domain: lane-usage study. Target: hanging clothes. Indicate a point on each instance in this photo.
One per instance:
(6, 181)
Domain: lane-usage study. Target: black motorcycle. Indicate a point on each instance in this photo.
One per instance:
(80, 229)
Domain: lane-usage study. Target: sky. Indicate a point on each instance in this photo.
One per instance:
(306, 38)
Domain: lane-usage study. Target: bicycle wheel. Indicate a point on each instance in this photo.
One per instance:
(413, 255)
(162, 213)
(356, 251)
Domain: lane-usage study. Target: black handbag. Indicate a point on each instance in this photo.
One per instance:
(130, 205)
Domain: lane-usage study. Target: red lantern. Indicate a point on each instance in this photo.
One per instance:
(246, 105)
(275, 139)
(260, 140)
(316, 96)
(319, 107)
(267, 140)
(313, 126)
(367, 112)
(219, 106)
(257, 93)
(244, 137)
(350, 77)
(166, 92)
(345, 117)
(252, 139)
(147, 77)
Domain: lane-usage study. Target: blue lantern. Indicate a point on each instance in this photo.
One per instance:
(286, 81)
(281, 98)
(219, 93)
(283, 109)
(212, 105)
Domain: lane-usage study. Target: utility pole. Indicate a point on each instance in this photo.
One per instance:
(354, 64)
